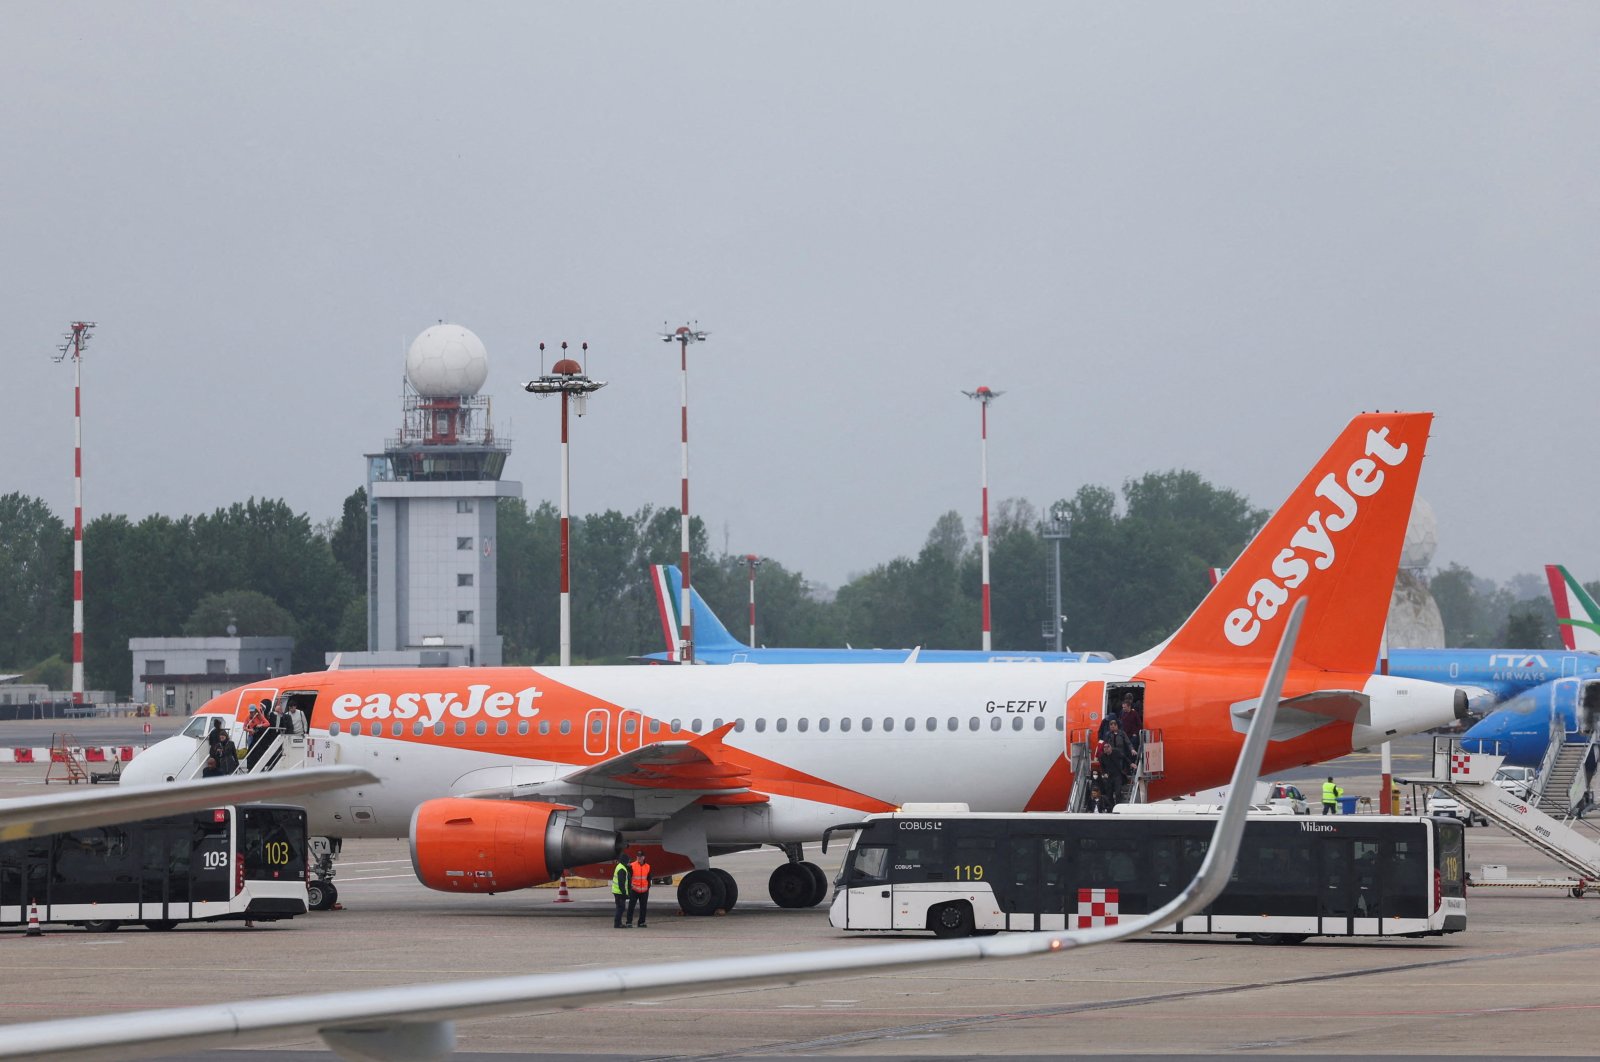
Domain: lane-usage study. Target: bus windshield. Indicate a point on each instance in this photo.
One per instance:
(271, 843)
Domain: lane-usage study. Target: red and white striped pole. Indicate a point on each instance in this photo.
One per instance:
(569, 379)
(984, 396)
(74, 349)
(753, 561)
(683, 337)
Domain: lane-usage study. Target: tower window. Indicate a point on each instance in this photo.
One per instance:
(463, 505)
(464, 615)
(463, 578)
(464, 542)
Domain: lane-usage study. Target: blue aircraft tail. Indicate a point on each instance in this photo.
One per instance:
(709, 633)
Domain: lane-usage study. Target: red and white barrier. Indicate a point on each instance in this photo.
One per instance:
(89, 754)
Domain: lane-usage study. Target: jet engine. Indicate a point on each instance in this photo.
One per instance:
(463, 844)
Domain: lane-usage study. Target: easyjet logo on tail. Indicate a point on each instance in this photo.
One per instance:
(433, 706)
(1313, 544)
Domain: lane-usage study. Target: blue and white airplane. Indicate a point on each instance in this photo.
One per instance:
(1520, 728)
(713, 644)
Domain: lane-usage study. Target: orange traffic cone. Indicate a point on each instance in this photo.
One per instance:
(561, 893)
(33, 921)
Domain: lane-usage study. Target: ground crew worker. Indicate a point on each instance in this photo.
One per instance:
(639, 883)
(619, 891)
(1330, 797)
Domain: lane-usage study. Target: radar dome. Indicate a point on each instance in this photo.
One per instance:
(1422, 537)
(447, 361)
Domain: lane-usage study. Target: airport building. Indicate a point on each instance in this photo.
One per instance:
(431, 516)
(179, 675)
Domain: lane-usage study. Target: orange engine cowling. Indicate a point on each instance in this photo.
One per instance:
(462, 844)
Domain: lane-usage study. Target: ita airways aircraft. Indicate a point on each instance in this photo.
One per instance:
(502, 777)
(713, 644)
(1567, 693)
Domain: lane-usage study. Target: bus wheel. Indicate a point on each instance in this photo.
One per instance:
(791, 885)
(1276, 938)
(161, 925)
(101, 925)
(701, 893)
(730, 888)
(951, 920)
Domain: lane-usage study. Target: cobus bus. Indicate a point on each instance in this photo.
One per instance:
(243, 862)
(960, 873)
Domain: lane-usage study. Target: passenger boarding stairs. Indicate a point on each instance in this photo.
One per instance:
(276, 751)
(1564, 788)
(1468, 777)
(1149, 765)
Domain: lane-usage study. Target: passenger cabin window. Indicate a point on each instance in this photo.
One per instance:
(761, 726)
(801, 724)
(782, 724)
(566, 726)
(866, 724)
(522, 726)
(844, 724)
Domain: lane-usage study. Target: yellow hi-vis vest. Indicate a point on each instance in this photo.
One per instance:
(1330, 793)
(619, 880)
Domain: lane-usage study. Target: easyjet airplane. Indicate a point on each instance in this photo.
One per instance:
(501, 777)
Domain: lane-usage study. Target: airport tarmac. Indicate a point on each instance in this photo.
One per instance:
(1516, 984)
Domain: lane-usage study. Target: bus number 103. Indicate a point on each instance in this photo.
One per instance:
(969, 873)
(278, 853)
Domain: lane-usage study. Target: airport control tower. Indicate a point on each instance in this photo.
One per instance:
(431, 588)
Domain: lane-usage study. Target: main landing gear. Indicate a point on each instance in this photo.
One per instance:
(793, 884)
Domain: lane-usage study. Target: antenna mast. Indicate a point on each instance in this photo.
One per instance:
(73, 346)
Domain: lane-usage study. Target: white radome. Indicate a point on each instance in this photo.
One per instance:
(1422, 537)
(447, 361)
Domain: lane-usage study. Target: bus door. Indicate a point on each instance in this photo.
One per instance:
(1033, 893)
(24, 878)
(1352, 896)
(164, 871)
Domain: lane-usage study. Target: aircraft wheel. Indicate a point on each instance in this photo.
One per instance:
(791, 885)
(730, 887)
(321, 895)
(951, 920)
(701, 892)
(819, 884)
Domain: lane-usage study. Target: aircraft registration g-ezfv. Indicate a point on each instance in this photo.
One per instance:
(416, 1023)
(502, 777)
(713, 644)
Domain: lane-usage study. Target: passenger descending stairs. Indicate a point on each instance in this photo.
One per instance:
(1467, 777)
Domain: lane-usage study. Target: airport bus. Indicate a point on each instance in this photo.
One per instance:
(228, 863)
(959, 873)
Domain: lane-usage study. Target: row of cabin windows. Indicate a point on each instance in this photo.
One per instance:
(630, 725)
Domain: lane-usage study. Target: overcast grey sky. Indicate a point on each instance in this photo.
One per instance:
(1176, 235)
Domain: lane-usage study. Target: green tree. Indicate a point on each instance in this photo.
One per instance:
(35, 582)
(349, 539)
(250, 613)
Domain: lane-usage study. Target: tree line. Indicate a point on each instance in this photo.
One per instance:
(1134, 565)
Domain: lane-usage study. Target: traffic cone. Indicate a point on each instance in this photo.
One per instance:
(33, 921)
(561, 893)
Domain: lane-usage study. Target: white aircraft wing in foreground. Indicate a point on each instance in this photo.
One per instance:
(416, 1022)
(34, 816)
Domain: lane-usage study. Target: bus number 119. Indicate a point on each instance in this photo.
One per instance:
(969, 873)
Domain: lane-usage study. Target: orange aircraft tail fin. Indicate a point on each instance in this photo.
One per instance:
(1336, 539)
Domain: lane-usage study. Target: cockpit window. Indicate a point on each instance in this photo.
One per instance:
(199, 726)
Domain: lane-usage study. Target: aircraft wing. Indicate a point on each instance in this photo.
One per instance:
(38, 815)
(414, 1022)
(686, 770)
